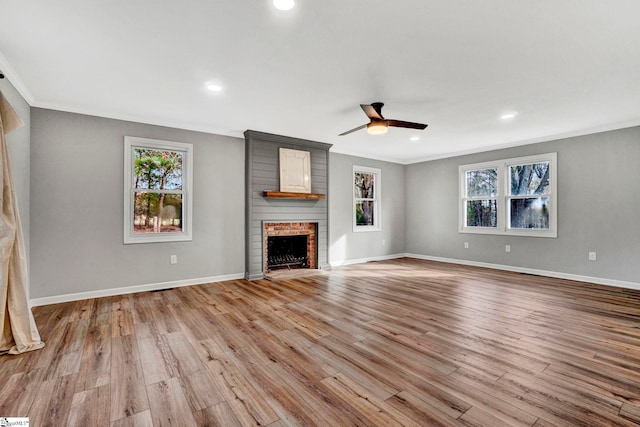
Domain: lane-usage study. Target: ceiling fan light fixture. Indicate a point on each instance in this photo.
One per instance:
(377, 128)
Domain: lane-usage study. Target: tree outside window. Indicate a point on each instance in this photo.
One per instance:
(515, 197)
(366, 199)
(481, 193)
(528, 199)
(157, 183)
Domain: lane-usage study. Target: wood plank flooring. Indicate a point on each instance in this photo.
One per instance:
(400, 342)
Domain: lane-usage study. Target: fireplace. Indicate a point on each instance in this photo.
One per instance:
(289, 245)
(274, 215)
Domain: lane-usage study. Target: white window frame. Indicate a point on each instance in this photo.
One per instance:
(377, 191)
(130, 144)
(503, 197)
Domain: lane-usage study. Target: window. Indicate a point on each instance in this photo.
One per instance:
(481, 198)
(366, 199)
(157, 190)
(514, 197)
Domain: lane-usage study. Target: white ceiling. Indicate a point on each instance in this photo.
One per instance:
(568, 67)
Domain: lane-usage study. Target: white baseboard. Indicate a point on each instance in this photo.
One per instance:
(189, 282)
(555, 274)
(131, 289)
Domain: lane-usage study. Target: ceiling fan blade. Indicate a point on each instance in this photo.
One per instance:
(403, 124)
(371, 111)
(352, 130)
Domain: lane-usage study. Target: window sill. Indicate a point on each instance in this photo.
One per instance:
(157, 238)
(364, 229)
(511, 232)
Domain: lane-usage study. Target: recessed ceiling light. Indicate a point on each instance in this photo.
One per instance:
(507, 116)
(414, 138)
(284, 4)
(214, 87)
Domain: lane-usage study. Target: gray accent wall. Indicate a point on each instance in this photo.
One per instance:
(19, 145)
(598, 210)
(345, 244)
(263, 173)
(77, 207)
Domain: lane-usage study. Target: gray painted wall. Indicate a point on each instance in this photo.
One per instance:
(346, 245)
(77, 207)
(263, 173)
(75, 221)
(598, 209)
(18, 145)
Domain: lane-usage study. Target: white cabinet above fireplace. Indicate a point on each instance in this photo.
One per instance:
(295, 171)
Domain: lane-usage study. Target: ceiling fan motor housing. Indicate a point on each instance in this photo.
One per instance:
(378, 107)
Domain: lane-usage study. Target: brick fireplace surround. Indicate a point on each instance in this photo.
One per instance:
(292, 229)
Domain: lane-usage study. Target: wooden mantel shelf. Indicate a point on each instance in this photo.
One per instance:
(290, 195)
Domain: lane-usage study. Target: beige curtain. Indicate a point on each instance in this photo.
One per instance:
(19, 331)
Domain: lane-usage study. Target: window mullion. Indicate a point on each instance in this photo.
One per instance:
(503, 211)
(158, 191)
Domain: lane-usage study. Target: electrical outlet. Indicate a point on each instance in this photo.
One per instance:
(592, 256)
(466, 245)
(507, 248)
(174, 259)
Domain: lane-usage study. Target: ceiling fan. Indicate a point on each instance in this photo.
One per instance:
(378, 124)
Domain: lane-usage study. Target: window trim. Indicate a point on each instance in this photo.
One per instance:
(132, 142)
(377, 190)
(503, 197)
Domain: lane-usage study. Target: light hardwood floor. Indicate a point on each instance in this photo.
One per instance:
(401, 342)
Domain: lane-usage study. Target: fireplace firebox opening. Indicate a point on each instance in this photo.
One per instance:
(287, 252)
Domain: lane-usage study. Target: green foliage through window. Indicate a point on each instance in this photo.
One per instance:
(157, 211)
(157, 191)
